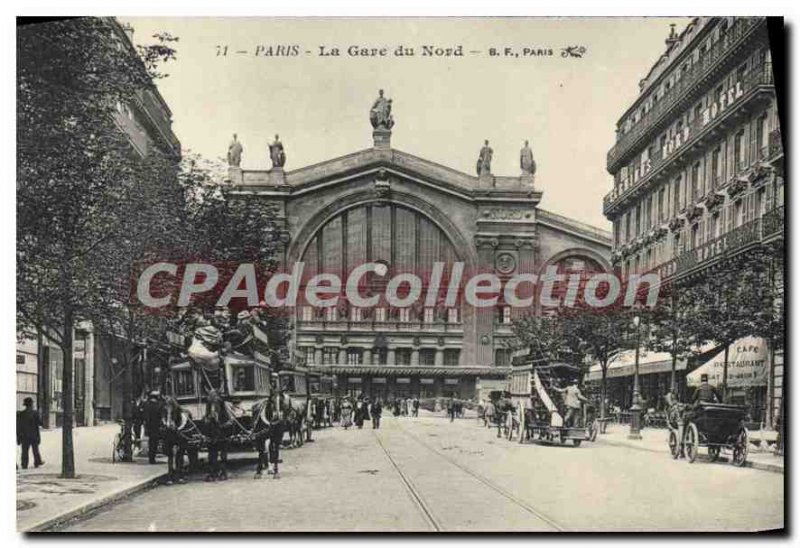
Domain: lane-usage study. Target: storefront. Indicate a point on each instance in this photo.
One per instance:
(655, 378)
(747, 374)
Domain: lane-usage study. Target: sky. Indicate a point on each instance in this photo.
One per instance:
(444, 107)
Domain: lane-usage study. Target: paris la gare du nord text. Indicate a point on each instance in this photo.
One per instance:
(163, 285)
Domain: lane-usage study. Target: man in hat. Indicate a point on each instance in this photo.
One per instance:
(28, 423)
(705, 392)
(154, 413)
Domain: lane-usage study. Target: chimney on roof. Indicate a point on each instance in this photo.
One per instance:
(672, 39)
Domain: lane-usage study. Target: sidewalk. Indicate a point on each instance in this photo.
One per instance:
(655, 440)
(44, 499)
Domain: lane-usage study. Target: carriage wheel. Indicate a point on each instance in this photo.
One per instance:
(740, 448)
(509, 425)
(691, 441)
(521, 423)
(576, 443)
(713, 452)
(674, 450)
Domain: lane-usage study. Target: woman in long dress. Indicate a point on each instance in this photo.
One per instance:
(347, 414)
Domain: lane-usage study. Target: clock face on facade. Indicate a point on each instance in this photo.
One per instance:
(505, 263)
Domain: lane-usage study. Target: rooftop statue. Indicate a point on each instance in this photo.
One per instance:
(235, 152)
(380, 116)
(526, 162)
(276, 153)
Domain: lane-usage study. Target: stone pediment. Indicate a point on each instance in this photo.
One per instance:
(340, 170)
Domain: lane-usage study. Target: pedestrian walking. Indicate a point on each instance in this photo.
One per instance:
(410, 406)
(154, 412)
(377, 409)
(346, 417)
(451, 409)
(28, 424)
(416, 407)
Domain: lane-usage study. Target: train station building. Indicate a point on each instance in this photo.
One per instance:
(382, 205)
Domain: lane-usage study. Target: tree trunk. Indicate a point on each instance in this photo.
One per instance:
(43, 371)
(127, 395)
(603, 371)
(67, 389)
(725, 375)
(673, 382)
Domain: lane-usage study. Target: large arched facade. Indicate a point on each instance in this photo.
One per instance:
(382, 205)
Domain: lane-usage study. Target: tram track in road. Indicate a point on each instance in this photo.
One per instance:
(488, 483)
(411, 489)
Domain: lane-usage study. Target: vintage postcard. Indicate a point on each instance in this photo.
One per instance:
(461, 274)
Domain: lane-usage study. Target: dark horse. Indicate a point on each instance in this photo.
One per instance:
(269, 426)
(218, 426)
(180, 436)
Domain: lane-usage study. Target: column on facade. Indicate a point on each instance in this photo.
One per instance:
(415, 356)
(438, 358)
(367, 356)
(342, 356)
(390, 357)
(318, 356)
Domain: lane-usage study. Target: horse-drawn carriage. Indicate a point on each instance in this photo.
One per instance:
(222, 394)
(717, 426)
(539, 411)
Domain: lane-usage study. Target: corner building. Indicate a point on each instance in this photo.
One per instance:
(698, 165)
(381, 204)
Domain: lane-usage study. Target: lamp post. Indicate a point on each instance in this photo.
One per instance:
(636, 408)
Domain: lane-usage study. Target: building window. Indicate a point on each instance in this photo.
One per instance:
(330, 314)
(677, 194)
(355, 356)
(762, 137)
(695, 181)
(761, 204)
(381, 356)
(662, 193)
(716, 175)
(309, 354)
(405, 314)
(737, 213)
(503, 314)
(402, 356)
(355, 314)
(380, 314)
(428, 315)
(308, 314)
(452, 315)
(502, 357)
(738, 152)
(452, 356)
(330, 355)
(20, 359)
(427, 356)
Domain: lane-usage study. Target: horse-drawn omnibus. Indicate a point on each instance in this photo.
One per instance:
(539, 412)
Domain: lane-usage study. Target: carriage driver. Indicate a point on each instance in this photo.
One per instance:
(705, 393)
(573, 400)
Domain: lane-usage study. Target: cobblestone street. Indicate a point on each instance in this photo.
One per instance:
(428, 474)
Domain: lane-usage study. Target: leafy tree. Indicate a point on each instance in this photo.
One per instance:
(74, 169)
(671, 327)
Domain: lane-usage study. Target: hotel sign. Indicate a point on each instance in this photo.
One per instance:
(733, 240)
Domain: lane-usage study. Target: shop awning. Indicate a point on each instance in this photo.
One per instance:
(405, 370)
(624, 363)
(747, 365)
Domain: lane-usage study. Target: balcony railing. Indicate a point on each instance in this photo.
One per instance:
(705, 64)
(755, 231)
(374, 325)
(758, 76)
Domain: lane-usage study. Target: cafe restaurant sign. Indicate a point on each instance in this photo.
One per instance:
(747, 365)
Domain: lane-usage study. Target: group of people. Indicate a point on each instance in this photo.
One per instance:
(357, 411)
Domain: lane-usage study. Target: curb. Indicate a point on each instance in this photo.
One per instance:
(766, 467)
(83, 511)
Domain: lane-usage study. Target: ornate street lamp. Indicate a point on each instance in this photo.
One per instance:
(636, 408)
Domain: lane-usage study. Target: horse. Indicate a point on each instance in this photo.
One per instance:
(180, 436)
(296, 413)
(268, 429)
(218, 426)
